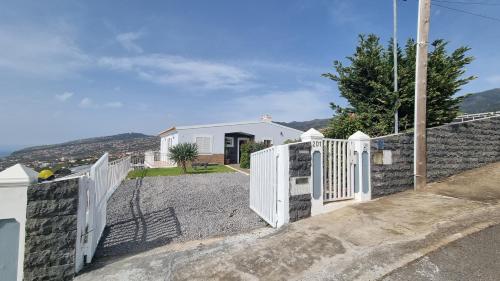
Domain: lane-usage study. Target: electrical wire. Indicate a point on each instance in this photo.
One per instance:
(466, 12)
(467, 3)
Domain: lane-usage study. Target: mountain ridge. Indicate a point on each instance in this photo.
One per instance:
(120, 145)
(122, 136)
(485, 101)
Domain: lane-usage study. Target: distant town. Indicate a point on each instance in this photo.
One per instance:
(81, 152)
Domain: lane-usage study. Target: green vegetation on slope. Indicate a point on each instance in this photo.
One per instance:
(177, 171)
(486, 101)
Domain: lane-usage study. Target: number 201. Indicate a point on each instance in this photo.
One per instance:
(317, 143)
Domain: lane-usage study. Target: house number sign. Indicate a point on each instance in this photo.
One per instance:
(317, 143)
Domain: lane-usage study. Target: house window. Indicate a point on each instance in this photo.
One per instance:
(268, 143)
(229, 142)
(204, 144)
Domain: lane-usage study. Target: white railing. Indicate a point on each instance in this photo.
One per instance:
(95, 188)
(118, 171)
(137, 161)
(156, 159)
(338, 172)
(475, 116)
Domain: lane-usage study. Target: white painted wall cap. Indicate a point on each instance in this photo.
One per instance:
(17, 174)
(311, 134)
(359, 136)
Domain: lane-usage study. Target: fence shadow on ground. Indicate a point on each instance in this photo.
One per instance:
(143, 231)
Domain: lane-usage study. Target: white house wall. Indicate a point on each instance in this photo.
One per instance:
(174, 138)
(264, 130)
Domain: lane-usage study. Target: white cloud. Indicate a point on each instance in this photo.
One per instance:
(127, 40)
(165, 69)
(64, 96)
(493, 79)
(36, 52)
(86, 103)
(294, 105)
(90, 103)
(114, 104)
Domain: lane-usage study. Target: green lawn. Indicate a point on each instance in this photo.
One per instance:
(176, 171)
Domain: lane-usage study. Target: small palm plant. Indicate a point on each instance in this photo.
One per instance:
(184, 153)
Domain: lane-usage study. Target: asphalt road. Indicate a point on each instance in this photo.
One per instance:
(475, 257)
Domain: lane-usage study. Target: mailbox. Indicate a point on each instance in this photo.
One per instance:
(300, 185)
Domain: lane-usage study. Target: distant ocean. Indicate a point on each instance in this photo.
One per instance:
(6, 150)
(5, 153)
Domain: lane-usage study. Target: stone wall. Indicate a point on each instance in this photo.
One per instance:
(51, 222)
(451, 149)
(299, 190)
(300, 207)
(300, 159)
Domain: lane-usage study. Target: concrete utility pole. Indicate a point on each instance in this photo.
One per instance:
(420, 152)
(395, 51)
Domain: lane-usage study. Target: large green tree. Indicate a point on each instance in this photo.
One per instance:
(367, 84)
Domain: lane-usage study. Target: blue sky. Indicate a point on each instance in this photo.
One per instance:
(73, 69)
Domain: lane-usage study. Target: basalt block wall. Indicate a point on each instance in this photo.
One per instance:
(451, 149)
(51, 222)
(299, 167)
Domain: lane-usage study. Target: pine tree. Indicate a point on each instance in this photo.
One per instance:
(367, 84)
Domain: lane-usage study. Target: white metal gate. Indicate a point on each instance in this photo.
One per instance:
(338, 170)
(95, 188)
(264, 184)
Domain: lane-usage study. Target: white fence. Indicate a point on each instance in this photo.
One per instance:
(117, 170)
(338, 173)
(339, 170)
(156, 159)
(269, 184)
(264, 184)
(95, 190)
(475, 116)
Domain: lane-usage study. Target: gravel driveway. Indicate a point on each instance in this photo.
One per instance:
(154, 211)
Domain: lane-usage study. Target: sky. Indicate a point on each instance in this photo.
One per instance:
(76, 69)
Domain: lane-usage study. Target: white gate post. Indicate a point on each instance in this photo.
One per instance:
(282, 176)
(316, 139)
(362, 179)
(14, 182)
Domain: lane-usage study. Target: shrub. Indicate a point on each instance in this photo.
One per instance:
(289, 141)
(247, 149)
(183, 153)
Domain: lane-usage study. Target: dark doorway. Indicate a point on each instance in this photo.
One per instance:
(233, 144)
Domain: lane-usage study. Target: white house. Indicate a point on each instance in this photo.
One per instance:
(221, 143)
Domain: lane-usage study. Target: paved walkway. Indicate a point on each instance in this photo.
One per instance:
(359, 242)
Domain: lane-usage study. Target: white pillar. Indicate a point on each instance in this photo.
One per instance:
(283, 176)
(14, 182)
(316, 139)
(362, 178)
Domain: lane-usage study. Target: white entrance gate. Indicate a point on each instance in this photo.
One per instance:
(95, 188)
(338, 170)
(269, 184)
(263, 184)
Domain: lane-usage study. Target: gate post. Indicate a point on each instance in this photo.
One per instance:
(282, 176)
(316, 139)
(14, 182)
(362, 180)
